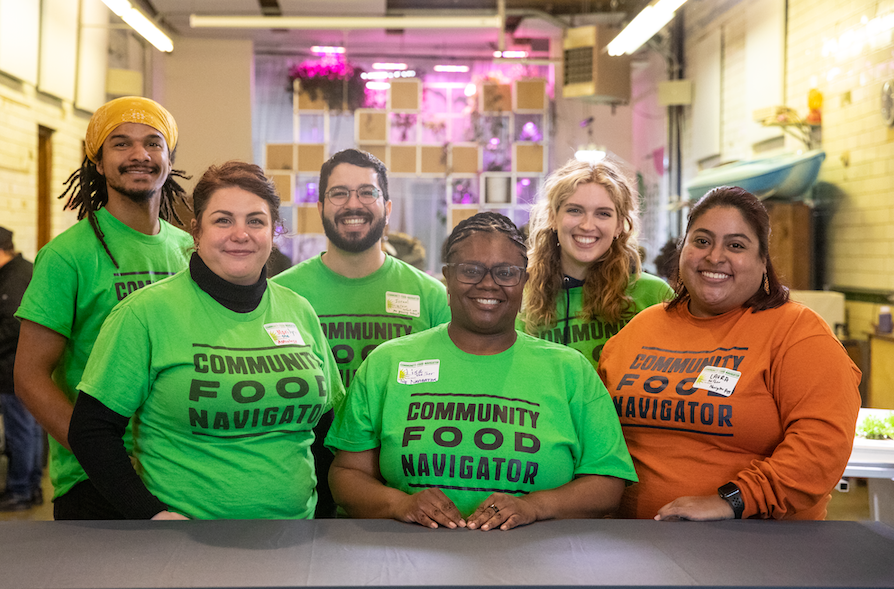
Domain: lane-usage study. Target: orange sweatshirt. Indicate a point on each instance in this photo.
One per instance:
(783, 435)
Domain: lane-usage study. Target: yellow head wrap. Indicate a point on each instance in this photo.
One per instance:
(128, 109)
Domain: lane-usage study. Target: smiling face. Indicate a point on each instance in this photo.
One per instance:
(586, 225)
(485, 308)
(720, 262)
(234, 236)
(135, 161)
(354, 227)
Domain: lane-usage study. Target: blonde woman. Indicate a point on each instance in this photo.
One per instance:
(585, 280)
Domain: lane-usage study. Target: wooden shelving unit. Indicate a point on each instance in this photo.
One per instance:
(497, 156)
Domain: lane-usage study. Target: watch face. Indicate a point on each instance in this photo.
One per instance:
(728, 490)
(888, 102)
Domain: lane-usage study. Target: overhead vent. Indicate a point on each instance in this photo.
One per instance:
(589, 72)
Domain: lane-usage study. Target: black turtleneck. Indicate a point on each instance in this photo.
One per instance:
(96, 434)
(235, 297)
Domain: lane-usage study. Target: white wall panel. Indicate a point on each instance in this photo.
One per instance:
(19, 37)
(58, 48)
(764, 62)
(93, 55)
(704, 68)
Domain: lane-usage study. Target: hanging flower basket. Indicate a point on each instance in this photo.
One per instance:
(331, 79)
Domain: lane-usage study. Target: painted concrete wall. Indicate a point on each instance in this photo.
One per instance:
(207, 85)
(22, 111)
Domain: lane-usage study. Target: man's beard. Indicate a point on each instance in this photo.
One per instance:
(352, 244)
(138, 196)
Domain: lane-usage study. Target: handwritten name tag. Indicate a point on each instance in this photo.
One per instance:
(284, 333)
(402, 304)
(718, 380)
(416, 372)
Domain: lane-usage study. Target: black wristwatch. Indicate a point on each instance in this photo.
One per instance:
(730, 492)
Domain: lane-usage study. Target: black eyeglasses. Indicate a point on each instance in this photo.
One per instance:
(366, 194)
(503, 274)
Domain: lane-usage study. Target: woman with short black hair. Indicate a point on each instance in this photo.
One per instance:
(473, 424)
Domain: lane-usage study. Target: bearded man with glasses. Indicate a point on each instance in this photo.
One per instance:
(362, 296)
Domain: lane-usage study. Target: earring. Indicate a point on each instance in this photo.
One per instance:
(766, 283)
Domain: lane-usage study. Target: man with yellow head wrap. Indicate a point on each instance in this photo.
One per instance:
(124, 193)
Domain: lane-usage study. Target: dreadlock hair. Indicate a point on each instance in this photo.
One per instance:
(605, 284)
(87, 193)
(486, 222)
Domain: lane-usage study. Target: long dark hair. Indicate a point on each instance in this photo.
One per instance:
(87, 193)
(756, 216)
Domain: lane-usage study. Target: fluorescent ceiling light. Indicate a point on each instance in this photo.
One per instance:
(378, 85)
(138, 21)
(389, 66)
(344, 22)
(644, 26)
(591, 154)
(452, 68)
(511, 54)
(388, 75)
(324, 50)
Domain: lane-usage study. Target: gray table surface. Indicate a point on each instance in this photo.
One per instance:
(380, 553)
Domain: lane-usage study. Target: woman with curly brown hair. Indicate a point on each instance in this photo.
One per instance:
(585, 280)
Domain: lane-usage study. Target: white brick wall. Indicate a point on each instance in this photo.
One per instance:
(22, 110)
(861, 234)
(859, 146)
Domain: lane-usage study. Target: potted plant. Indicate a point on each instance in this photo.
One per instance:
(332, 79)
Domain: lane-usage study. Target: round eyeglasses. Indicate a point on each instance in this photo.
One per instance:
(503, 274)
(365, 194)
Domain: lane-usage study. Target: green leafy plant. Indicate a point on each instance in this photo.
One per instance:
(876, 428)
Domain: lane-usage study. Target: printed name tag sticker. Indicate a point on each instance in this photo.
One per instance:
(284, 333)
(416, 372)
(717, 380)
(402, 304)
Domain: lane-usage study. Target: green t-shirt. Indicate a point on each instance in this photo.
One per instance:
(527, 419)
(223, 403)
(588, 337)
(357, 314)
(76, 285)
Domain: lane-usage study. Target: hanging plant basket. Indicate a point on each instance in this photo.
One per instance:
(331, 79)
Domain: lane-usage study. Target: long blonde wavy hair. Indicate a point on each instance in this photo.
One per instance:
(605, 284)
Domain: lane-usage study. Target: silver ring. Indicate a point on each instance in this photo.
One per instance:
(495, 508)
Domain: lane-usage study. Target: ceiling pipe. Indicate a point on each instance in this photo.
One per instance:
(501, 14)
(556, 21)
(347, 22)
